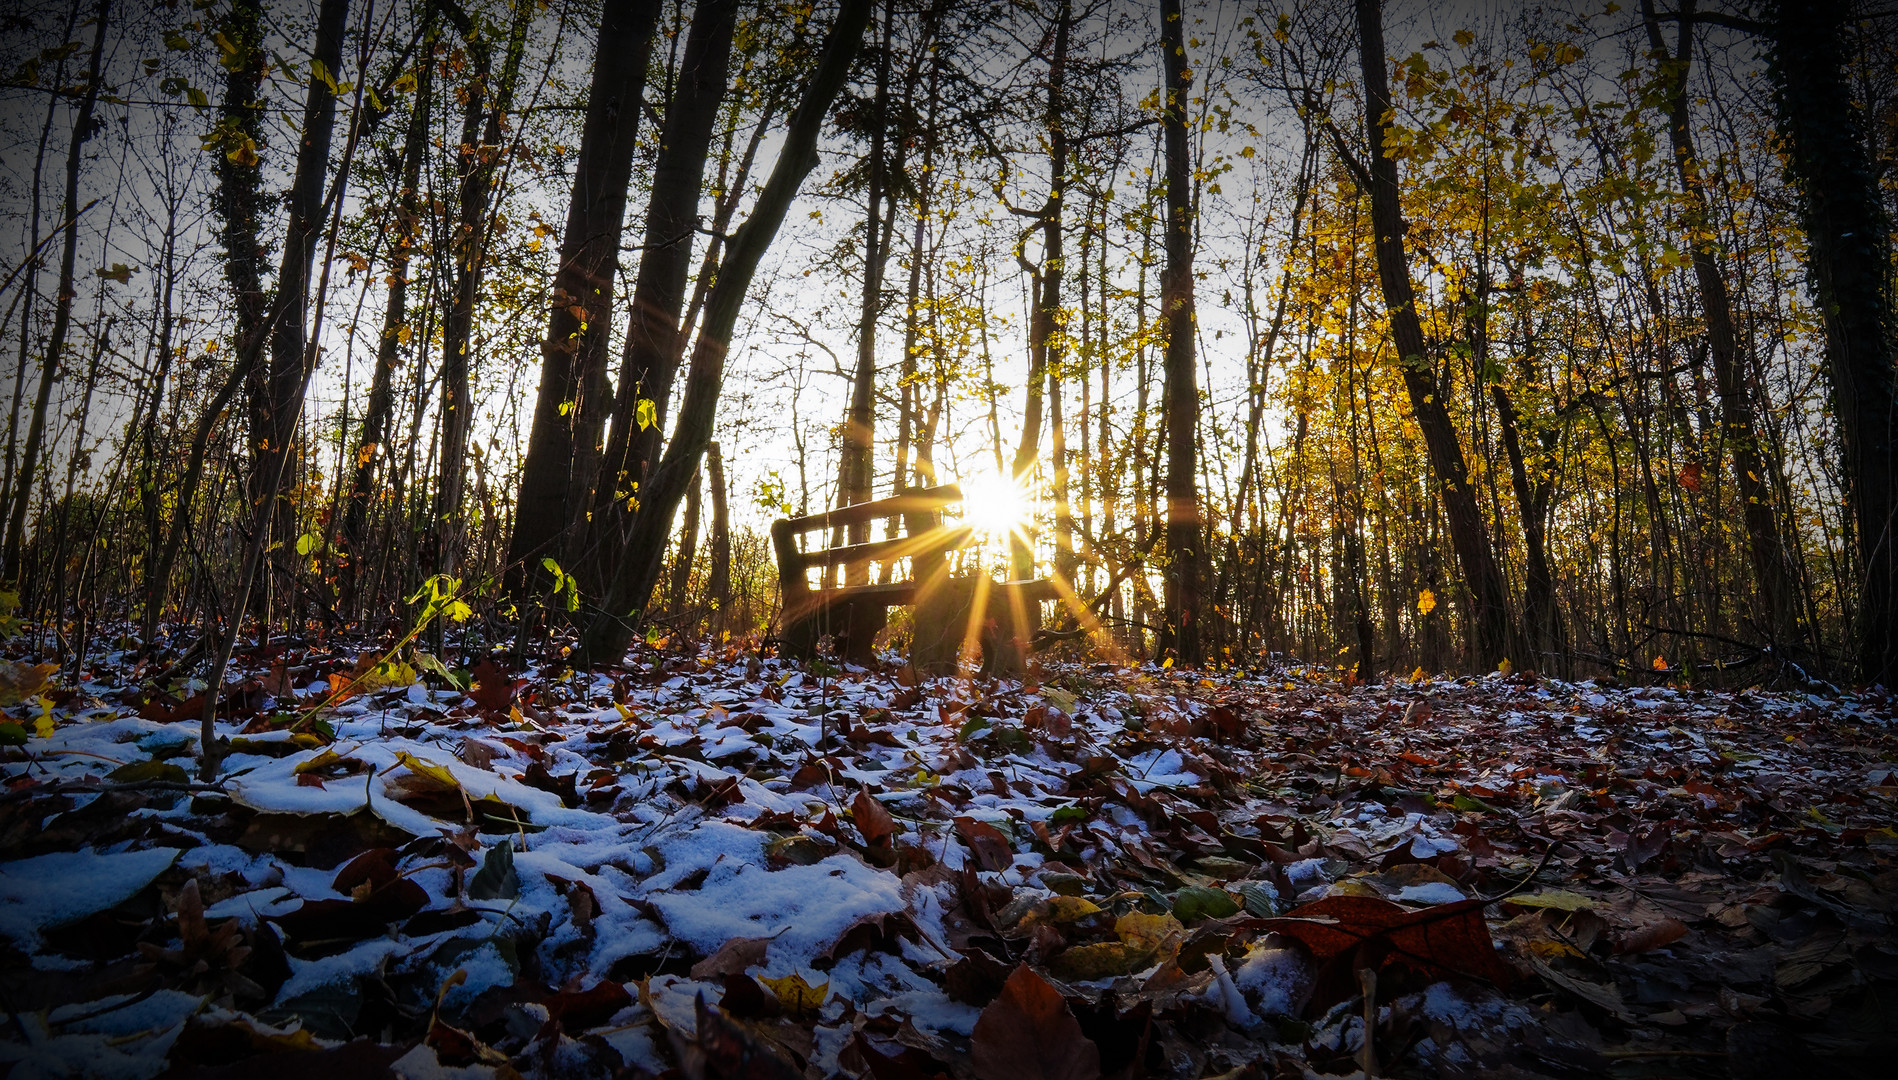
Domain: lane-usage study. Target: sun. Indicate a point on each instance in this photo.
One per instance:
(994, 505)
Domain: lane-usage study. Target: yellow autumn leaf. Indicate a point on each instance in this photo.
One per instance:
(19, 681)
(43, 723)
(799, 998)
(1660, 663)
(1426, 602)
(427, 769)
(1067, 909)
(1150, 933)
(1506, 668)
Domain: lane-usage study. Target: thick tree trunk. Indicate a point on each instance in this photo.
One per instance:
(1184, 529)
(638, 569)
(1492, 636)
(277, 385)
(654, 344)
(62, 306)
(563, 445)
(1849, 261)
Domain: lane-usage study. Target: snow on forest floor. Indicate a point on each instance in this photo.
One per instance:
(721, 866)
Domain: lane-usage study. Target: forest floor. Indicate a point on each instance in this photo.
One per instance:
(717, 866)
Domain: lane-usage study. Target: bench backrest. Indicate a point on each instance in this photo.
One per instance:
(918, 508)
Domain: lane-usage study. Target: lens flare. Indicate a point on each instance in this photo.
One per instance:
(993, 505)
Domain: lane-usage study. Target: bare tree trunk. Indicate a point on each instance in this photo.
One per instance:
(688, 547)
(476, 160)
(1752, 474)
(570, 411)
(62, 306)
(654, 342)
(277, 387)
(856, 468)
(638, 569)
(1184, 528)
(1492, 635)
(718, 585)
(30, 276)
(1045, 281)
(370, 451)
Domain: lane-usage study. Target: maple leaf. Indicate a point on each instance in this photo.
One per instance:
(493, 691)
(1028, 1033)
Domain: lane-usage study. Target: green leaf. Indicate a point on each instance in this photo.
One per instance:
(973, 726)
(308, 542)
(1196, 902)
(1260, 899)
(1068, 814)
(12, 734)
(496, 879)
(140, 772)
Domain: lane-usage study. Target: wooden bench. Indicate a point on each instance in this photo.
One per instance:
(952, 612)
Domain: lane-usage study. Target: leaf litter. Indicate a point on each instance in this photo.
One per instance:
(721, 865)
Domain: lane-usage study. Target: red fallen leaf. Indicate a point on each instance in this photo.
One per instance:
(1028, 1033)
(873, 821)
(578, 1010)
(309, 780)
(1652, 936)
(493, 689)
(1225, 722)
(1442, 941)
(1691, 474)
(988, 844)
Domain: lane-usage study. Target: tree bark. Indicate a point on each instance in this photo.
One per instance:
(62, 305)
(1184, 527)
(638, 569)
(1492, 636)
(1849, 264)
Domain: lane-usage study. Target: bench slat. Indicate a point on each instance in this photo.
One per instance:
(920, 501)
(930, 543)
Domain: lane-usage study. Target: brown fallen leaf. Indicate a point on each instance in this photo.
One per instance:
(988, 844)
(1441, 941)
(1028, 1033)
(873, 821)
(732, 958)
(1652, 936)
